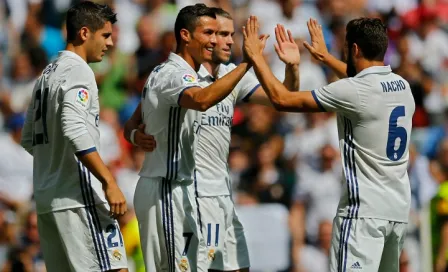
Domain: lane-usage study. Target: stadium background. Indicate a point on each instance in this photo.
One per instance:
(286, 168)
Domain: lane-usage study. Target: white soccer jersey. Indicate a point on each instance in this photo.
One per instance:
(62, 120)
(212, 175)
(173, 127)
(374, 113)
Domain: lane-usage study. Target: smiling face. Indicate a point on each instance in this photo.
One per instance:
(97, 43)
(203, 39)
(224, 40)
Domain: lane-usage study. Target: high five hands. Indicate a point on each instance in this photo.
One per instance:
(286, 48)
(254, 44)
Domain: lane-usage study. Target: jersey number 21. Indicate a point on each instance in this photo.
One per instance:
(40, 133)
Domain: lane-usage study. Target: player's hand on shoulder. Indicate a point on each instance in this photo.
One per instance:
(286, 48)
(116, 199)
(144, 141)
(254, 43)
(317, 48)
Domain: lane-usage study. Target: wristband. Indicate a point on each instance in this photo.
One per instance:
(132, 137)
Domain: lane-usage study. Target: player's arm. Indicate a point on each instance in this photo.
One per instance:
(134, 131)
(288, 52)
(201, 99)
(27, 132)
(281, 98)
(75, 109)
(319, 51)
(338, 96)
(291, 83)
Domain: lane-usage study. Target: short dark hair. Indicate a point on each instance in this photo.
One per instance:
(90, 15)
(221, 12)
(188, 17)
(370, 34)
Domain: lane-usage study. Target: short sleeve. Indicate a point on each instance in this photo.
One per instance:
(247, 86)
(340, 96)
(179, 82)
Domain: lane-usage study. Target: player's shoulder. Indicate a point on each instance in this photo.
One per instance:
(70, 60)
(227, 68)
(171, 75)
(348, 83)
(73, 67)
(401, 79)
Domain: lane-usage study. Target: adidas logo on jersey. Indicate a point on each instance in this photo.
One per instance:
(356, 266)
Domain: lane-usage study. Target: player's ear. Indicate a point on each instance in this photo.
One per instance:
(185, 35)
(356, 51)
(84, 33)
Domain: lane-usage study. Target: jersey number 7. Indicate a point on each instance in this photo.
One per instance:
(396, 133)
(40, 133)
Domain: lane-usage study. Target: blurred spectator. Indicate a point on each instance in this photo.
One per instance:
(270, 182)
(115, 74)
(38, 34)
(16, 166)
(149, 54)
(315, 258)
(30, 242)
(428, 45)
(316, 198)
(8, 237)
(439, 212)
(127, 178)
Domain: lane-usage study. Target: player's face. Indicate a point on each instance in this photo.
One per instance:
(203, 39)
(99, 42)
(224, 40)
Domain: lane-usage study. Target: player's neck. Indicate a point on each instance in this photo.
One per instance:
(189, 59)
(364, 64)
(77, 50)
(212, 68)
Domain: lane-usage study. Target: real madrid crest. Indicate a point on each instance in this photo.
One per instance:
(211, 254)
(183, 265)
(116, 254)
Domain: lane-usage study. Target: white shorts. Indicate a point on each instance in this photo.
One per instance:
(167, 214)
(81, 239)
(369, 245)
(223, 233)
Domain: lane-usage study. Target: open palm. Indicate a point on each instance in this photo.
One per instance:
(286, 48)
(318, 48)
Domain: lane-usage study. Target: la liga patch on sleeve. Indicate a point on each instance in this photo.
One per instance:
(82, 97)
(189, 78)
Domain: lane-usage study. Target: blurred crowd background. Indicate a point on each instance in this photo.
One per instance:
(286, 167)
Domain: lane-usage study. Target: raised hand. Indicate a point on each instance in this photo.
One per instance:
(253, 44)
(286, 48)
(318, 48)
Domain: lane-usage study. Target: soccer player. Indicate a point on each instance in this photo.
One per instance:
(171, 100)
(374, 112)
(76, 196)
(218, 221)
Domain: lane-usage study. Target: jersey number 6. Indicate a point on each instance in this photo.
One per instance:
(396, 133)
